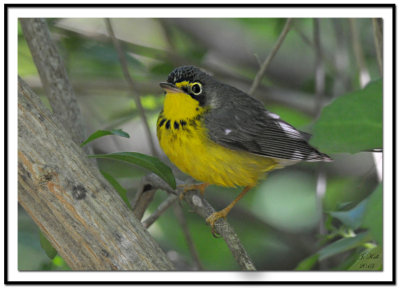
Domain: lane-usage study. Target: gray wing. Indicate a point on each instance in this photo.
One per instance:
(244, 124)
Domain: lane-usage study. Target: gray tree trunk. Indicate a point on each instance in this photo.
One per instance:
(82, 216)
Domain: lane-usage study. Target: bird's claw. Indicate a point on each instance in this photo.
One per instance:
(200, 187)
(213, 218)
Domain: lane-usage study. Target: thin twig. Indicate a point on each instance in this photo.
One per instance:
(171, 199)
(364, 76)
(192, 248)
(142, 200)
(327, 58)
(264, 66)
(341, 77)
(319, 69)
(319, 90)
(377, 27)
(201, 207)
(128, 78)
(320, 195)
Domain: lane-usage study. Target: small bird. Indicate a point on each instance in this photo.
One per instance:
(220, 135)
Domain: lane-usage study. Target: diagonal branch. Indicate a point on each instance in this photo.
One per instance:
(189, 240)
(271, 55)
(143, 200)
(128, 78)
(160, 210)
(201, 206)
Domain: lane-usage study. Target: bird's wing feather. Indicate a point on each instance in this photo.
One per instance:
(242, 123)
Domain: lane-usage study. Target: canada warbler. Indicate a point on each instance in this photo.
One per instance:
(220, 135)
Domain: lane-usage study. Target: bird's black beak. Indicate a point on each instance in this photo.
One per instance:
(170, 88)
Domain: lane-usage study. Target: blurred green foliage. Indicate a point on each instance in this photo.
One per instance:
(353, 122)
(279, 221)
(47, 247)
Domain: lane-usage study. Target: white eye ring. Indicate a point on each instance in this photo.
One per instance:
(198, 90)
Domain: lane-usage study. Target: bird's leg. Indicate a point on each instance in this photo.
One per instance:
(200, 187)
(224, 212)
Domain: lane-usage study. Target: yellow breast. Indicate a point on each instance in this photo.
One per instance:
(184, 140)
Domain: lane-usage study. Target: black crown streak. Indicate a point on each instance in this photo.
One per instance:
(183, 73)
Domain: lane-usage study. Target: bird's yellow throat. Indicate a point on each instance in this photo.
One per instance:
(180, 106)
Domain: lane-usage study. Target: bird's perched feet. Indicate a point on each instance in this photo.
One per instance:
(200, 187)
(224, 212)
(214, 218)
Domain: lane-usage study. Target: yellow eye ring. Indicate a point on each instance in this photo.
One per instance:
(196, 88)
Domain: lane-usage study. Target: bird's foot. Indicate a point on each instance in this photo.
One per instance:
(214, 218)
(200, 187)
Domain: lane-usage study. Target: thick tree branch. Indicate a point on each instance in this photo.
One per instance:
(54, 77)
(200, 206)
(82, 216)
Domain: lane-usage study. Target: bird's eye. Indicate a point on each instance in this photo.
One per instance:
(196, 88)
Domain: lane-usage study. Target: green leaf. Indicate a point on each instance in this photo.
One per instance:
(373, 218)
(151, 163)
(342, 245)
(121, 190)
(308, 263)
(47, 247)
(369, 260)
(352, 218)
(352, 122)
(101, 133)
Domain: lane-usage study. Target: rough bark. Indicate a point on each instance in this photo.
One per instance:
(53, 75)
(82, 216)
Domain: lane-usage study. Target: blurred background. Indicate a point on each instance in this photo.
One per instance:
(282, 221)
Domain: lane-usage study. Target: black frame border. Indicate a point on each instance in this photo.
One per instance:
(217, 5)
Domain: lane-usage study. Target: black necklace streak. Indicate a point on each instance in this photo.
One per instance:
(193, 122)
